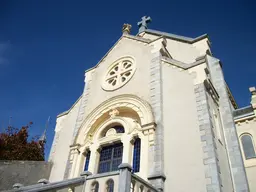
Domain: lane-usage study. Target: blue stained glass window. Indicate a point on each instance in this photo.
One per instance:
(110, 185)
(136, 156)
(87, 160)
(110, 158)
(119, 128)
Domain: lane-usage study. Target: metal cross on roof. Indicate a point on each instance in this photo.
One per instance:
(143, 24)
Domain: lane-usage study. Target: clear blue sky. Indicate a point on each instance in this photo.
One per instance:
(46, 45)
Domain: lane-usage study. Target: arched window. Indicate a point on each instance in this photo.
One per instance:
(110, 185)
(110, 158)
(119, 128)
(112, 130)
(136, 155)
(248, 147)
(95, 187)
(87, 160)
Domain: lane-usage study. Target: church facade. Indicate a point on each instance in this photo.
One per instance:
(159, 103)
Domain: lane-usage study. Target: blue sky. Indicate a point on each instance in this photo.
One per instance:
(46, 45)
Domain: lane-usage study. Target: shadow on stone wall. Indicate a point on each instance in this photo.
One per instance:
(24, 172)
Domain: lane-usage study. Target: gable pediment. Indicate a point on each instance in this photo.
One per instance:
(121, 40)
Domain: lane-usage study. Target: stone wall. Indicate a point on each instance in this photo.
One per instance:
(24, 172)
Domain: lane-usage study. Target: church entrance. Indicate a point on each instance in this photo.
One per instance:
(110, 158)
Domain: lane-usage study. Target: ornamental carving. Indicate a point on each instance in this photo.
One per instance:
(119, 74)
(113, 113)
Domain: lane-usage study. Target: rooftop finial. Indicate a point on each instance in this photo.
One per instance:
(126, 28)
(253, 99)
(143, 24)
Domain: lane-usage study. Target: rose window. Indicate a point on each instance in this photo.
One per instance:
(119, 74)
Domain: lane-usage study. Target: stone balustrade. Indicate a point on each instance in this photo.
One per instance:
(140, 185)
(117, 181)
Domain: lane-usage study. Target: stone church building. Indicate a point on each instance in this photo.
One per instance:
(156, 114)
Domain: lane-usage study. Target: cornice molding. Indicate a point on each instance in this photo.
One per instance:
(175, 37)
(185, 66)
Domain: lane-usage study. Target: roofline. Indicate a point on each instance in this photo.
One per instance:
(182, 65)
(66, 112)
(231, 97)
(244, 117)
(176, 37)
(123, 36)
(244, 112)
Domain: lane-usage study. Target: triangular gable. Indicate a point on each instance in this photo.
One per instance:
(136, 38)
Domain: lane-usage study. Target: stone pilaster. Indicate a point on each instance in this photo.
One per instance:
(208, 144)
(237, 169)
(73, 155)
(84, 101)
(156, 176)
(80, 117)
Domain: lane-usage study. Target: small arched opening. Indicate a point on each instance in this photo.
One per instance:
(110, 185)
(95, 187)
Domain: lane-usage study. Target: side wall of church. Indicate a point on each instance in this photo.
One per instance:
(62, 140)
(183, 156)
(248, 127)
(139, 83)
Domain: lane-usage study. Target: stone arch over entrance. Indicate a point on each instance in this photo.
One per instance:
(129, 104)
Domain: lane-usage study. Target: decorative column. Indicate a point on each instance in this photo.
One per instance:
(125, 177)
(95, 149)
(79, 162)
(74, 153)
(127, 149)
(147, 144)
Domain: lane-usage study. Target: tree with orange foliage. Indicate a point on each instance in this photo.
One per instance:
(15, 145)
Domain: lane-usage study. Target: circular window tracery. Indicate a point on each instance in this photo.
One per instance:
(119, 74)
